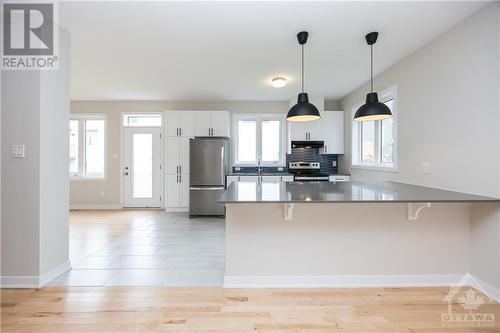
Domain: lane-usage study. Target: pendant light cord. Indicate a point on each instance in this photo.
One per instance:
(302, 67)
(371, 67)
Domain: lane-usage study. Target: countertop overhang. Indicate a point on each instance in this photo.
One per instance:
(341, 192)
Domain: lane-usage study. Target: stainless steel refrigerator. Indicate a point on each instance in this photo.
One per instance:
(208, 166)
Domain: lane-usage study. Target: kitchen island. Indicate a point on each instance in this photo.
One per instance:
(348, 234)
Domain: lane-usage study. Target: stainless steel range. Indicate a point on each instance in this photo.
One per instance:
(307, 171)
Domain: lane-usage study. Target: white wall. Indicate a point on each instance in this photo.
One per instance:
(107, 193)
(54, 161)
(448, 109)
(35, 112)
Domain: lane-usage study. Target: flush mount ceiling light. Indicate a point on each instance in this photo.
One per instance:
(372, 109)
(303, 110)
(278, 82)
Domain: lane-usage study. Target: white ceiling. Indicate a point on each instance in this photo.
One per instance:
(231, 50)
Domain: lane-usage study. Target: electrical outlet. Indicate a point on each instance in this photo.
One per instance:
(17, 151)
(426, 168)
(237, 169)
(280, 169)
(334, 163)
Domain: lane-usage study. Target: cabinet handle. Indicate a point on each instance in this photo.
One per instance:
(180, 168)
(180, 178)
(180, 131)
(177, 178)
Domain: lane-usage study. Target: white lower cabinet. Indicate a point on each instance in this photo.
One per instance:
(339, 178)
(264, 179)
(177, 192)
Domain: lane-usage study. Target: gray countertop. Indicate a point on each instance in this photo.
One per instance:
(341, 192)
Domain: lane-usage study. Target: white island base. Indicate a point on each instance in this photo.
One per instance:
(346, 245)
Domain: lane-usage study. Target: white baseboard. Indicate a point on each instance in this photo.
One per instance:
(340, 281)
(53, 273)
(177, 210)
(95, 206)
(34, 281)
(488, 289)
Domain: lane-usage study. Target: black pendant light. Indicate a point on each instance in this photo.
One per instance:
(303, 110)
(372, 109)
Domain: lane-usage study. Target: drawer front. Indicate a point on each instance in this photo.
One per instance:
(339, 178)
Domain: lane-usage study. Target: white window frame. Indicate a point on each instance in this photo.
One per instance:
(356, 151)
(81, 175)
(259, 118)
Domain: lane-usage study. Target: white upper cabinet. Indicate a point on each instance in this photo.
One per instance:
(220, 123)
(203, 123)
(179, 123)
(212, 123)
(332, 124)
(186, 123)
(329, 128)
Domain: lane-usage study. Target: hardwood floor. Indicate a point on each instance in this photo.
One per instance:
(218, 310)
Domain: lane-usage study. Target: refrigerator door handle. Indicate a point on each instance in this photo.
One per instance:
(207, 188)
(222, 170)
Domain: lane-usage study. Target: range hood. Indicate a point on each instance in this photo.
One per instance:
(307, 144)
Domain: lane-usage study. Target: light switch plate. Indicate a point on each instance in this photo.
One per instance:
(426, 168)
(17, 151)
(334, 163)
(237, 168)
(280, 169)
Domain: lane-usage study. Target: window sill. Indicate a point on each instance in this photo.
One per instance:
(374, 168)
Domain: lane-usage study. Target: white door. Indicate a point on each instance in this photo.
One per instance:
(184, 190)
(184, 155)
(186, 123)
(203, 123)
(220, 123)
(142, 167)
(172, 188)
(172, 154)
(298, 130)
(172, 123)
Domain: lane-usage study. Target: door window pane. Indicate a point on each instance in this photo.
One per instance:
(73, 146)
(149, 120)
(94, 147)
(387, 137)
(247, 141)
(368, 141)
(271, 141)
(142, 169)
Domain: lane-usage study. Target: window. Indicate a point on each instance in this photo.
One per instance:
(142, 120)
(259, 138)
(374, 143)
(87, 139)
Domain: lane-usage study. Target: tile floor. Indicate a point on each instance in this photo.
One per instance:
(169, 249)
